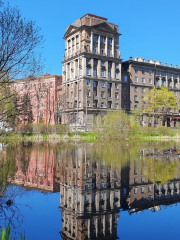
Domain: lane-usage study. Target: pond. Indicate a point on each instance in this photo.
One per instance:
(109, 190)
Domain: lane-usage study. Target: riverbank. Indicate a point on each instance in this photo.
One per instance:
(51, 138)
(83, 137)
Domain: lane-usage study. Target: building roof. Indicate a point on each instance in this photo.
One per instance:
(94, 16)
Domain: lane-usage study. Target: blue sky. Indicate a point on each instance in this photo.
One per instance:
(150, 29)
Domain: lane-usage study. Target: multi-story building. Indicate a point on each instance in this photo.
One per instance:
(91, 83)
(139, 77)
(39, 95)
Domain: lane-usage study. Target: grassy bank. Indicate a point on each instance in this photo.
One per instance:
(44, 137)
(135, 132)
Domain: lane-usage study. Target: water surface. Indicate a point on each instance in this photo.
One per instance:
(91, 191)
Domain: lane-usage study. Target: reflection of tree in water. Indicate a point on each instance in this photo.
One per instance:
(160, 171)
(9, 210)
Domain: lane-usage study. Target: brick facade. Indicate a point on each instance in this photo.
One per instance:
(42, 94)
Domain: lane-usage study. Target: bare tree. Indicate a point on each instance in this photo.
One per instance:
(20, 40)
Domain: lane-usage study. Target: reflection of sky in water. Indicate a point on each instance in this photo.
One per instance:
(163, 224)
(43, 220)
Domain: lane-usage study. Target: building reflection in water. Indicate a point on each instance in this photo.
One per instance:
(90, 196)
(35, 168)
(93, 191)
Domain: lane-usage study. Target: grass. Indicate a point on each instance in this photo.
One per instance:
(6, 234)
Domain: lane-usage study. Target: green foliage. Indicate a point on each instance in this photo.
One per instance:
(114, 125)
(160, 171)
(159, 101)
(6, 233)
(7, 103)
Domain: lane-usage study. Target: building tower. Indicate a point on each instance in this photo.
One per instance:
(91, 71)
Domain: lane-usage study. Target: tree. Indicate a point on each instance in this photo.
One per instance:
(114, 125)
(159, 102)
(19, 41)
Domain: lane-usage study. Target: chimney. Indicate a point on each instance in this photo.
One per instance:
(143, 59)
(165, 64)
(148, 61)
(130, 58)
(176, 66)
(170, 65)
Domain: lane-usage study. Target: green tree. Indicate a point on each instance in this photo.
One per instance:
(114, 125)
(159, 102)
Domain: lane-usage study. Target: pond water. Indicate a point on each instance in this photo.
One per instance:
(107, 190)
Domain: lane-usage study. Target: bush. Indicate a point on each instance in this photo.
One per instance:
(42, 128)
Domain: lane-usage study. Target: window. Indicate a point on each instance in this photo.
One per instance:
(125, 78)
(102, 104)
(150, 80)
(101, 51)
(94, 49)
(142, 179)
(136, 79)
(135, 190)
(50, 84)
(136, 98)
(149, 189)
(150, 72)
(88, 71)
(94, 84)
(135, 107)
(108, 52)
(94, 72)
(163, 82)
(88, 83)
(88, 103)
(143, 90)
(143, 71)
(88, 93)
(116, 105)
(116, 95)
(102, 63)
(102, 73)
(135, 180)
(116, 65)
(88, 60)
(109, 74)
(142, 190)
(136, 89)
(109, 104)
(102, 39)
(95, 62)
(102, 84)
(109, 41)
(162, 74)
(116, 86)
(143, 80)
(117, 75)
(95, 38)
(95, 103)
(156, 82)
(103, 94)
